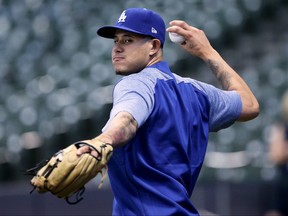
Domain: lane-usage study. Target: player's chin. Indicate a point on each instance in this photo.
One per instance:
(118, 68)
(121, 71)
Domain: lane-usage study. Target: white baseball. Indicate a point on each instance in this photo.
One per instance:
(176, 38)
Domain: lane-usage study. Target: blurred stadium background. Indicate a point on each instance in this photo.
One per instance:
(56, 82)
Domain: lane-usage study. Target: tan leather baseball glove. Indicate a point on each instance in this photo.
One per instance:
(66, 173)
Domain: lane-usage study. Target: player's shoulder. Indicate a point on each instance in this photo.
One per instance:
(136, 82)
(148, 76)
(195, 83)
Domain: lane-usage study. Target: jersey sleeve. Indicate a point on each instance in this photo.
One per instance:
(134, 95)
(225, 107)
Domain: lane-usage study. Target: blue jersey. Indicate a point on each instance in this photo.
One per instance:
(155, 173)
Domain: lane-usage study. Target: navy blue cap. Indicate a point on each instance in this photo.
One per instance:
(137, 20)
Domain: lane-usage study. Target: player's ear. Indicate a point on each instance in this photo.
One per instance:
(156, 46)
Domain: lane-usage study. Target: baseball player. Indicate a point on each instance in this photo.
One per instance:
(159, 122)
(278, 154)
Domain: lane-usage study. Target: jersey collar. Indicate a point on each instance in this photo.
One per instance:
(162, 66)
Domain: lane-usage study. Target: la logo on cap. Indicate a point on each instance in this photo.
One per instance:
(122, 17)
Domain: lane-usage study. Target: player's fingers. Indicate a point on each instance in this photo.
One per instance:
(182, 24)
(86, 149)
(83, 149)
(182, 28)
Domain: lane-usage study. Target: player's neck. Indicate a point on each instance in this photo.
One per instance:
(155, 58)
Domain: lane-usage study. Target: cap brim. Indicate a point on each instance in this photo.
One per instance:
(109, 31)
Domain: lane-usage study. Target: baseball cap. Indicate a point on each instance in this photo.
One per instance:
(137, 20)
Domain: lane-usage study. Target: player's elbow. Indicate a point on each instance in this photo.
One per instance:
(250, 112)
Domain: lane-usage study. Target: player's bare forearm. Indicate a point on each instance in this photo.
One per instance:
(230, 80)
(222, 76)
(120, 130)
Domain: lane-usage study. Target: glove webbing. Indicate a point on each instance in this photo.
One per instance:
(33, 171)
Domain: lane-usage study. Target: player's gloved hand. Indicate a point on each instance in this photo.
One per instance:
(70, 169)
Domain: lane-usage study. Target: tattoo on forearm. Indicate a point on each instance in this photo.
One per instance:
(118, 134)
(223, 76)
(121, 134)
(124, 131)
